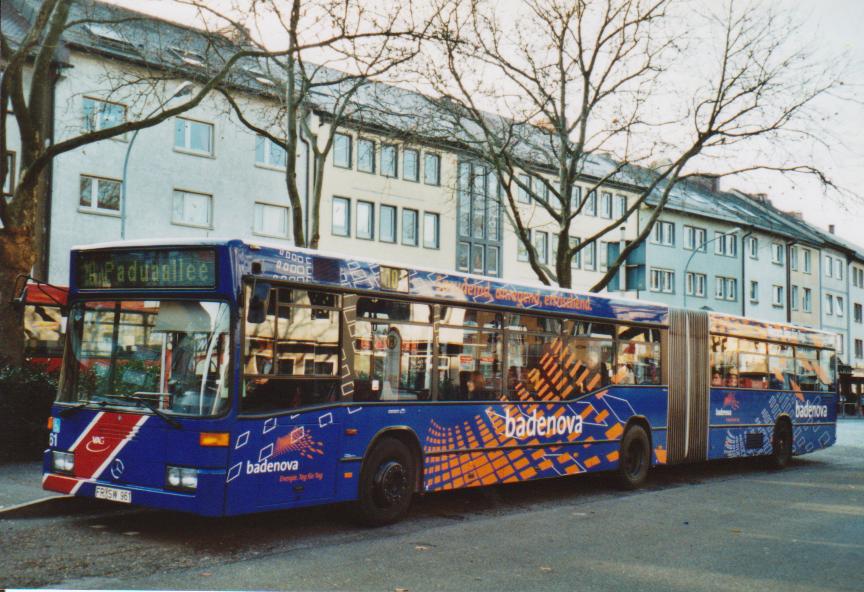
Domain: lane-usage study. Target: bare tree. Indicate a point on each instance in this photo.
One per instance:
(599, 91)
(30, 67)
(335, 50)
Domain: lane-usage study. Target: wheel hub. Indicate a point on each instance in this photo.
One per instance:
(391, 483)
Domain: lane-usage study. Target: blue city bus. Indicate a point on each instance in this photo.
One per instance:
(224, 377)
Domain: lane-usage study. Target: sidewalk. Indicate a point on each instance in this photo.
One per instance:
(20, 483)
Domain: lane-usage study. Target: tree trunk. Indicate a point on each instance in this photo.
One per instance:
(16, 257)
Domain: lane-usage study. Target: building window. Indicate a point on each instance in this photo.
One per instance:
(541, 245)
(431, 238)
(271, 220)
(269, 153)
(793, 258)
(342, 151)
(777, 253)
(521, 251)
(620, 206)
(829, 266)
(365, 155)
(575, 197)
(808, 261)
(576, 260)
(193, 136)
(859, 348)
(9, 181)
(776, 295)
(754, 291)
(590, 257)
(807, 300)
(591, 204)
(663, 233)
(340, 224)
(694, 238)
(859, 313)
(606, 204)
(829, 304)
(662, 280)
(99, 115)
(726, 288)
(192, 209)
(365, 220)
(838, 269)
(841, 306)
(794, 297)
(753, 247)
(463, 255)
(99, 195)
(410, 165)
(389, 160)
(696, 284)
(387, 233)
(478, 217)
(523, 195)
(409, 227)
(431, 169)
(725, 244)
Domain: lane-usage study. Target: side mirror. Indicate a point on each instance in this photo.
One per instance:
(256, 311)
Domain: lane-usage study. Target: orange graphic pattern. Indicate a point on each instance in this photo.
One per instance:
(298, 441)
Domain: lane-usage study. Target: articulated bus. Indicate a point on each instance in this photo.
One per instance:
(226, 377)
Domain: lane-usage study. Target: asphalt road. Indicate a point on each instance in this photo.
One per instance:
(722, 526)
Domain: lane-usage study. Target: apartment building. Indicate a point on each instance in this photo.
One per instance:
(205, 174)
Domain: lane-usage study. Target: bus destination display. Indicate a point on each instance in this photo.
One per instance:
(163, 268)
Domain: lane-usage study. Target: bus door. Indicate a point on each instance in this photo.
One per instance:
(290, 363)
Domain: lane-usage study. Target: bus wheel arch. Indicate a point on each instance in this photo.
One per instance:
(782, 442)
(635, 453)
(409, 438)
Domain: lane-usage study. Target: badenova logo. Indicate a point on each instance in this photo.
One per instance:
(520, 426)
(272, 467)
(810, 411)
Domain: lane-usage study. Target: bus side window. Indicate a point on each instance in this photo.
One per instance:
(291, 358)
(392, 351)
(469, 355)
(638, 356)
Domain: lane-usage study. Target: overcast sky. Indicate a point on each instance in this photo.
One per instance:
(836, 26)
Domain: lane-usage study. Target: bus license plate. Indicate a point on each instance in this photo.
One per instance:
(114, 495)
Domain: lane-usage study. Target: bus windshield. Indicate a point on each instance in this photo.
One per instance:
(169, 355)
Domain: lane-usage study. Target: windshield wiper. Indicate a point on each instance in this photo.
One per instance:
(67, 411)
(149, 405)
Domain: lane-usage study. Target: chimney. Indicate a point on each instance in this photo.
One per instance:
(708, 181)
(831, 228)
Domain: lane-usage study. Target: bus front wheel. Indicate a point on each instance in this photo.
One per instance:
(386, 483)
(634, 458)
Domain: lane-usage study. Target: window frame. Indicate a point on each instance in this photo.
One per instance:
(416, 153)
(362, 141)
(347, 202)
(210, 210)
(395, 210)
(416, 227)
(268, 147)
(287, 208)
(87, 124)
(436, 157)
(350, 138)
(370, 217)
(94, 195)
(436, 245)
(385, 147)
(187, 136)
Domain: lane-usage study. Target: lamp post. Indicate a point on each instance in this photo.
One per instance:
(183, 89)
(699, 248)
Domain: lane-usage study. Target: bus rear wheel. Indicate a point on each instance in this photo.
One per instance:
(634, 458)
(386, 484)
(781, 445)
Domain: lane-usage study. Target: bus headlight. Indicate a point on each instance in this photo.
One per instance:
(182, 478)
(63, 462)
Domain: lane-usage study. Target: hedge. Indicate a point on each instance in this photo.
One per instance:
(26, 395)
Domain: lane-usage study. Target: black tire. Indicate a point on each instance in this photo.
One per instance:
(781, 445)
(386, 484)
(634, 458)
